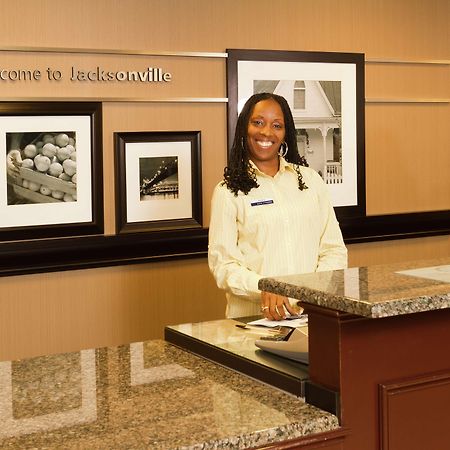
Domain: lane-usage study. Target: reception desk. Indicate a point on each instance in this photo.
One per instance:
(379, 338)
(379, 354)
(378, 345)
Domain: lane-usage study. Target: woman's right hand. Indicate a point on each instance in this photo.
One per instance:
(274, 306)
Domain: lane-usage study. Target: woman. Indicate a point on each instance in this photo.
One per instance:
(271, 215)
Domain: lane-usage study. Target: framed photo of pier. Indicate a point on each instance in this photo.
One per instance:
(158, 181)
(325, 91)
(51, 184)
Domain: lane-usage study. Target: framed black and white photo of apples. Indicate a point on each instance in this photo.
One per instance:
(51, 184)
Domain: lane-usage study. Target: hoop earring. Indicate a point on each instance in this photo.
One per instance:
(282, 151)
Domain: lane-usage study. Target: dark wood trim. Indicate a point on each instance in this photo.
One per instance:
(405, 352)
(323, 398)
(86, 252)
(395, 399)
(55, 255)
(332, 440)
(395, 226)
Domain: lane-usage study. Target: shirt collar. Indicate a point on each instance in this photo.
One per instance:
(284, 165)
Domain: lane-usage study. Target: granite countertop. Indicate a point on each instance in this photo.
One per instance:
(225, 342)
(374, 291)
(226, 335)
(144, 395)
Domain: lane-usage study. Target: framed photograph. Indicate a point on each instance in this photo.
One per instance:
(158, 181)
(52, 181)
(325, 91)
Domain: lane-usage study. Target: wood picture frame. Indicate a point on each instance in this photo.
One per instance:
(325, 91)
(158, 181)
(52, 184)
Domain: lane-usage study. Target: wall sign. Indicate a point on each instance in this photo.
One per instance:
(98, 74)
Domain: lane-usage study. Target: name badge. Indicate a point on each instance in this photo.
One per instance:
(267, 201)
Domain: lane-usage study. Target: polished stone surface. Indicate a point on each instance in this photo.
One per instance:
(234, 344)
(374, 291)
(144, 395)
(227, 334)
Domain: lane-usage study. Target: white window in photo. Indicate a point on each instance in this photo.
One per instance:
(299, 95)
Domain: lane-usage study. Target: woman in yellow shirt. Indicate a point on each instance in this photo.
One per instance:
(271, 215)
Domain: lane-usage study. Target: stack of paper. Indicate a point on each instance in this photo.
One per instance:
(290, 321)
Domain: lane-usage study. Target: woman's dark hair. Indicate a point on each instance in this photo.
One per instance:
(239, 175)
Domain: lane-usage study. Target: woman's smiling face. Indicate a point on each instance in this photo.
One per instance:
(265, 133)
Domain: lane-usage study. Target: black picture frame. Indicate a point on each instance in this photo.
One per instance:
(31, 215)
(158, 181)
(248, 70)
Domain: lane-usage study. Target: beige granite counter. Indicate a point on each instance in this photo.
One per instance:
(374, 291)
(144, 395)
(225, 342)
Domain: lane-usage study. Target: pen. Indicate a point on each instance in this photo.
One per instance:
(262, 329)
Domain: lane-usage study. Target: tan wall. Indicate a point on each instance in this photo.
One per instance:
(406, 143)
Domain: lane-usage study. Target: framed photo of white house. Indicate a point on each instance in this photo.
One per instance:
(51, 184)
(158, 181)
(325, 92)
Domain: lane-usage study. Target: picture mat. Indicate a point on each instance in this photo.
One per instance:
(164, 209)
(342, 194)
(49, 213)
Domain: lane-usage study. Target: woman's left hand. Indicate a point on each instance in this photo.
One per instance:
(274, 306)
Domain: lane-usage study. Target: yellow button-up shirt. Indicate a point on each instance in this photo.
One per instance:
(276, 229)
